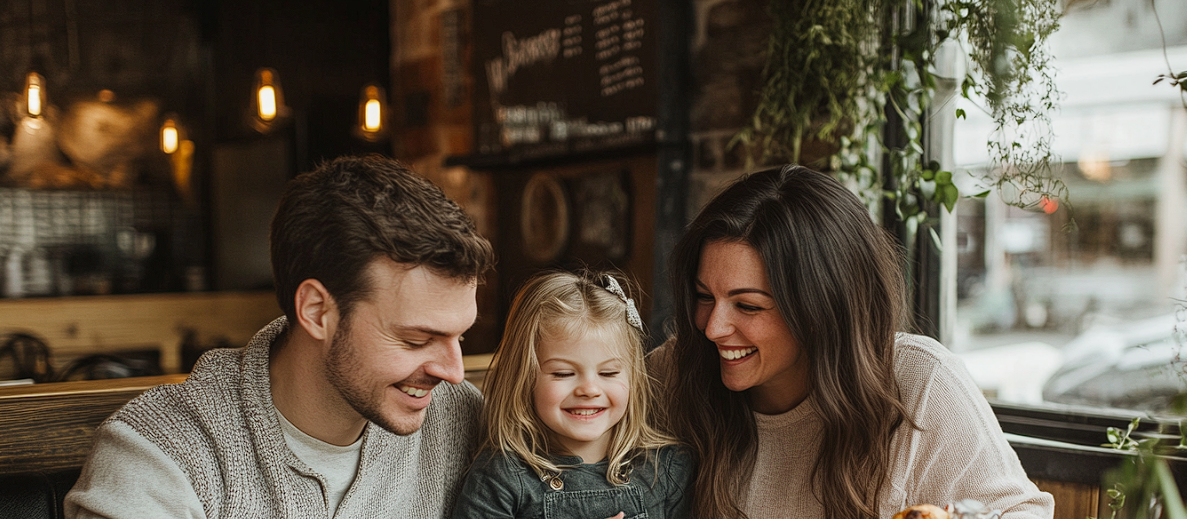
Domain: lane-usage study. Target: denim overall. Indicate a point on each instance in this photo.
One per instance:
(502, 486)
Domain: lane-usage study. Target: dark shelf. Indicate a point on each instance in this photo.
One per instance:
(546, 157)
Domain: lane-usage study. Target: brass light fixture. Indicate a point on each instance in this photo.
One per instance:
(267, 102)
(176, 144)
(35, 98)
(171, 135)
(372, 124)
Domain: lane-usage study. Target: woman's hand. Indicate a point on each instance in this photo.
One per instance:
(619, 516)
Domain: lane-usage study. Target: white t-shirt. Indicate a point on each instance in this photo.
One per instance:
(336, 464)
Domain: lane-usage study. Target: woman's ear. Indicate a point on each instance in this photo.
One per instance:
(317, 313)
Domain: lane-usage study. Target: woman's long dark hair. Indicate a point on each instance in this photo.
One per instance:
(837, 281)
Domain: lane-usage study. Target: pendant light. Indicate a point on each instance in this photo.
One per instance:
(35, 98)
(372, 124)
(171, 135)
(267, 101)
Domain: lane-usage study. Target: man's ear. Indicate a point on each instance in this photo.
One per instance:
(317, 313)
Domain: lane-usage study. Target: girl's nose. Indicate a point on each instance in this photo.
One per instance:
(588, 388)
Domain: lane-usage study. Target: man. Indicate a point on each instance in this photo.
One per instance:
(336, 409)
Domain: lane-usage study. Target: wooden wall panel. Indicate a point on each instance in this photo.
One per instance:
(78, 326)
(1072, 500)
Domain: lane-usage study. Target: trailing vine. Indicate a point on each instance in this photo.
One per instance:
(1174, 79)
(840, 71)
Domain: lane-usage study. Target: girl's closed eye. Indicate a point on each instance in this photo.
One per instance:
(561, 374)
(610, 373)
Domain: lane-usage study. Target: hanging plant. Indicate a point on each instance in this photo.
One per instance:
(837, 68)
(1174, 79)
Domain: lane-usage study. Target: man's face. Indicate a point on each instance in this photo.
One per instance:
(398, 343)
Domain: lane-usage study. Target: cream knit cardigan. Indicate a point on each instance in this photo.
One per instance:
(215, 442)
(960, 453)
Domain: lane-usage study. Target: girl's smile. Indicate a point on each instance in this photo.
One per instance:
(581, 392)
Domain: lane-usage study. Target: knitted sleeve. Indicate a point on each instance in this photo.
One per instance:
(128, 476)
(961, 452)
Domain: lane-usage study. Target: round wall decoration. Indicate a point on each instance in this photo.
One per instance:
(544, 218)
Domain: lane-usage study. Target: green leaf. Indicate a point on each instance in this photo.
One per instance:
(944, 177)
(951, 195)
(960, 113)
(1172, 502)
(982, 194)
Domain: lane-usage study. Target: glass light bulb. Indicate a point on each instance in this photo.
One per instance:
(34, 97)
(267, 97)
(372, 121)
(169, 138)
(34, 94)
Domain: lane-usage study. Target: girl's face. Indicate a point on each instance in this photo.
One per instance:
(582, 391)
(736, 310)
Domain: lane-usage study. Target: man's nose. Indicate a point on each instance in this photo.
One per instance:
(448, 364)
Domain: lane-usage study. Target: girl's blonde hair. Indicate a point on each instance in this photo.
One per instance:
(567, 305)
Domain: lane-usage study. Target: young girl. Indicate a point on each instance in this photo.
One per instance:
(567, 396)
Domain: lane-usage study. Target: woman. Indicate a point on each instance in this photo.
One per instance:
(788, 379)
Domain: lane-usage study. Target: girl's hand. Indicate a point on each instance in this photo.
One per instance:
(619, 516)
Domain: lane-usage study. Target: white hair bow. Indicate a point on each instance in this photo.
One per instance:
(632, 313)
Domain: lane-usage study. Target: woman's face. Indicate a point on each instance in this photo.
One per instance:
(736, 310)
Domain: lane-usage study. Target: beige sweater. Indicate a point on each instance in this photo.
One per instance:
(213, 447)
(961, 452)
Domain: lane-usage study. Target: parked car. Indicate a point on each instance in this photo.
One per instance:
(1135, 365)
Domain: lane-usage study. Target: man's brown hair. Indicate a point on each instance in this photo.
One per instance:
(333, 221)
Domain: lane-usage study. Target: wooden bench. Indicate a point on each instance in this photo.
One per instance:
(49, 426)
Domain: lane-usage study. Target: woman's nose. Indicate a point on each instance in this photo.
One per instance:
(717, 325)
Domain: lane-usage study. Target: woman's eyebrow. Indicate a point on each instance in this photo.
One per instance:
(738, 291)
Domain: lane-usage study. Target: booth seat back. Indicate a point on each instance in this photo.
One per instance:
(36, 494)
(45, 435)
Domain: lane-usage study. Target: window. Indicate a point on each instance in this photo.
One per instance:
(1087, 315)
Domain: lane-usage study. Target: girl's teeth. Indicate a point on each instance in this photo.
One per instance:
(584, 412)
(735, 354)
(414, 391)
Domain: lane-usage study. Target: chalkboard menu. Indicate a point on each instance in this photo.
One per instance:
(563, 77)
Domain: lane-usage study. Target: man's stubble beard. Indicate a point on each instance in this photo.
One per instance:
(339, 367)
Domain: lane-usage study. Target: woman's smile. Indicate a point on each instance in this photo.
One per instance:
(738, 313)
